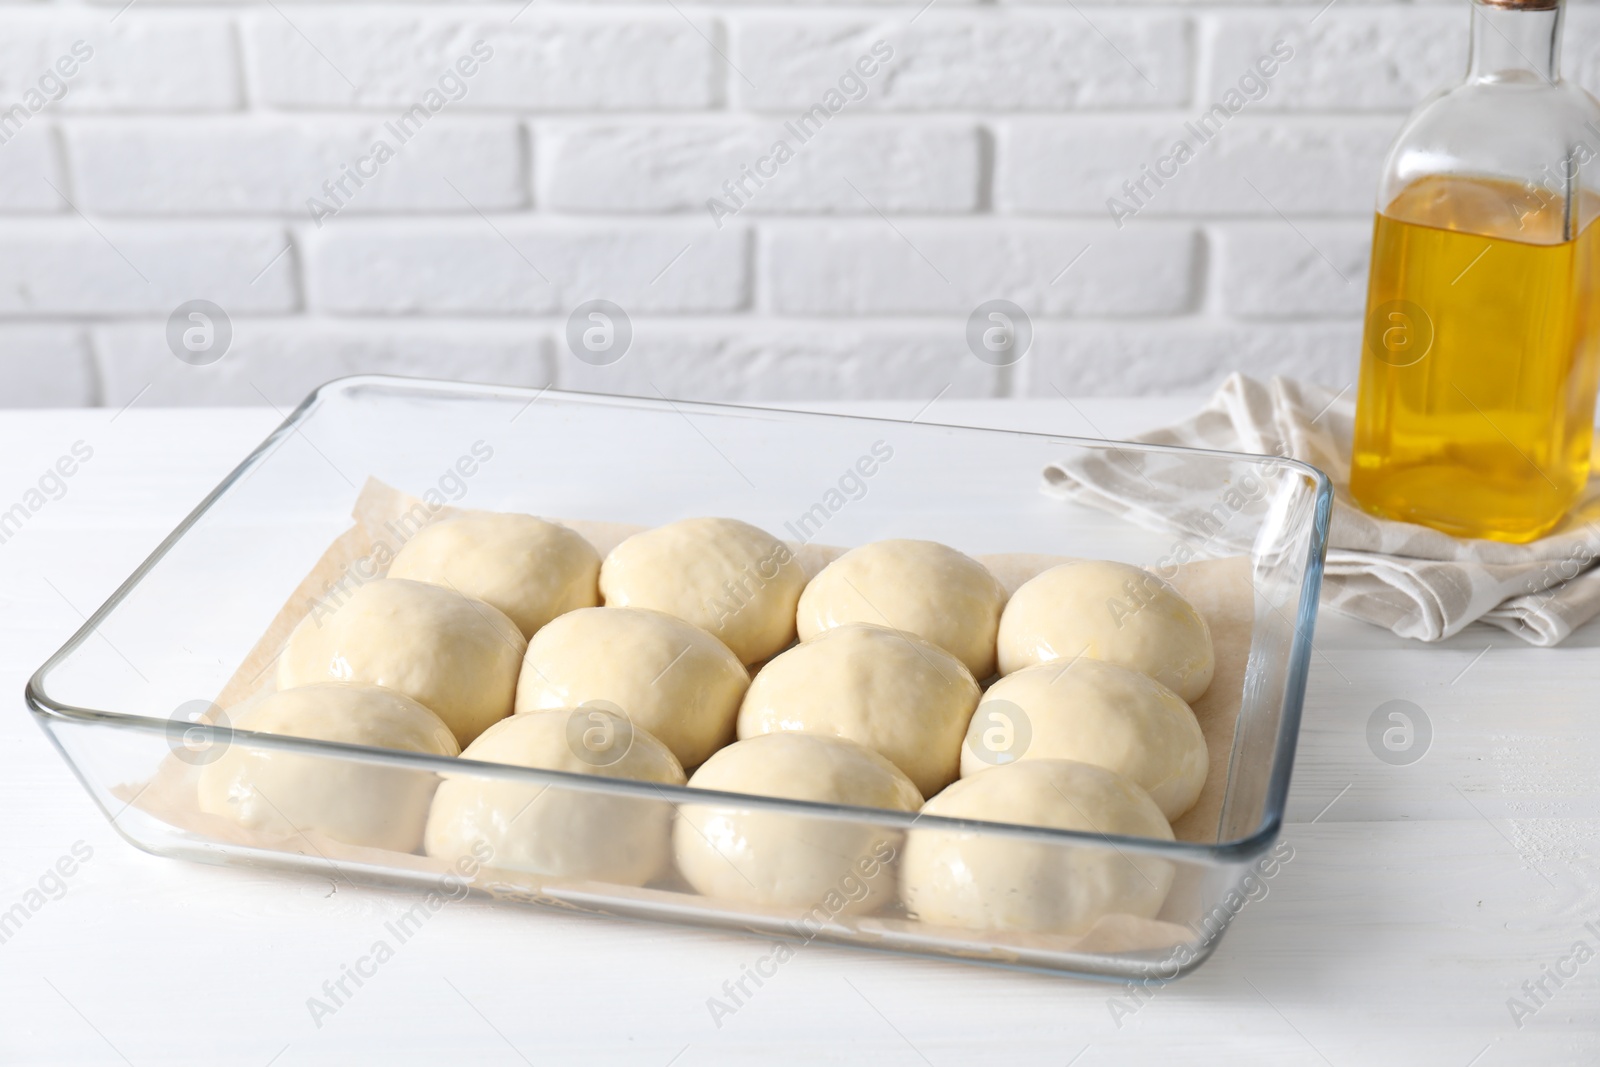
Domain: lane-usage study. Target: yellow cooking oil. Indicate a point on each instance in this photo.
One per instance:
(1480, 358)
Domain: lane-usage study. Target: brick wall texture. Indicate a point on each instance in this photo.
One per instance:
(786, 200)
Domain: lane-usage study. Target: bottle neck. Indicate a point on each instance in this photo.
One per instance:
(1516, 40)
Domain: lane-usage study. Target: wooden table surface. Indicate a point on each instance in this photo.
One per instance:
(1442, 912)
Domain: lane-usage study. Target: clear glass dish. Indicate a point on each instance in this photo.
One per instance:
(118, 698)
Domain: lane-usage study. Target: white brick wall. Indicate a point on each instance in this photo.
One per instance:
(572, 156)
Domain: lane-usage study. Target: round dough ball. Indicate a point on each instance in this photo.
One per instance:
(1093, 712)
(921, 587)
(672, 679)
(528, 568)
(456, 656)
(556, 830)
(997, 883)
(288, 794)
(1108, 611)
(783, 860)
(725, 576)
(904, 698)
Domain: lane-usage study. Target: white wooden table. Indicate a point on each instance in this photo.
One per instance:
(1419, 900)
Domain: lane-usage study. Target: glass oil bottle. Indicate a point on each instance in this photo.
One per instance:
(1481, 349)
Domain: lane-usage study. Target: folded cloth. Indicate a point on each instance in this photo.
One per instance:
(1416, 581)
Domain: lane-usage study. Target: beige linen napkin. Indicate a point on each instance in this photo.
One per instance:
(1413, 580)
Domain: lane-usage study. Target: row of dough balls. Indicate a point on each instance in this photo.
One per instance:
(798, 865)
(436, 656)
(894, 636)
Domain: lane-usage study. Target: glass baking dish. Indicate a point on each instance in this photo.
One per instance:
(119, 699)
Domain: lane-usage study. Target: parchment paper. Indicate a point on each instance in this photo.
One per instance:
(385, 517)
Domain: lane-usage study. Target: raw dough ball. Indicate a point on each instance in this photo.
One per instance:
(528, 568)
(557, 830)
(672, 679)
(904, 698)
(989, 882)
(1098, 713)
(1109, 611)
(287, 793)
(725, 576)
(823, 866)
(456, 656)
(921, 587)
